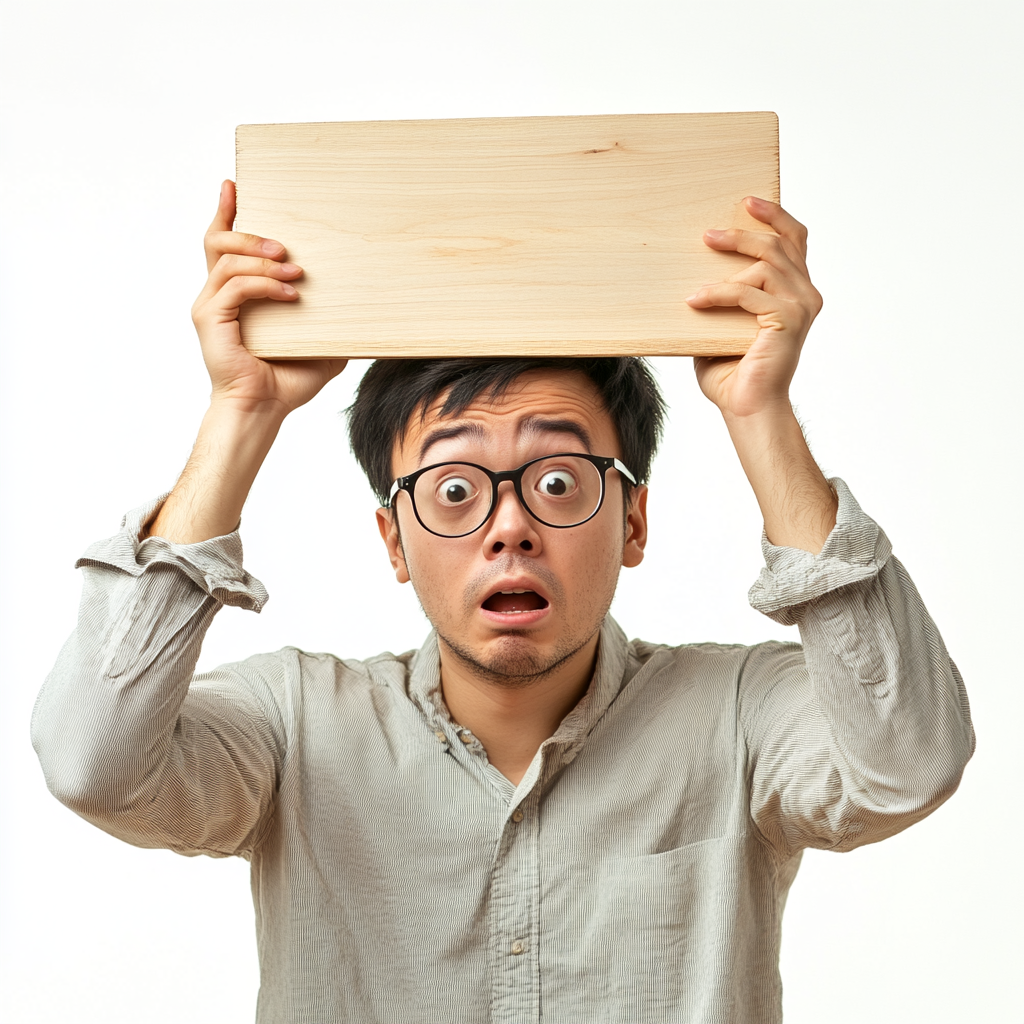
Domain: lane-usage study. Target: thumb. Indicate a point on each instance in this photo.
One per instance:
(224, 218)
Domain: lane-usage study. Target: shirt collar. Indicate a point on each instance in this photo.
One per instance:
(611, 672)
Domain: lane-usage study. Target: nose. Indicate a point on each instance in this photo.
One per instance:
(511, 527)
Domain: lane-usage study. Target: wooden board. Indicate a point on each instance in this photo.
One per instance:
(503, 236)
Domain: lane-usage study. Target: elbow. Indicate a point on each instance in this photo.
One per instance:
(938, 777)
(936, 788)
(86, 801)
(77, 789)
(921, 791)
(877, 808)
(84, 781)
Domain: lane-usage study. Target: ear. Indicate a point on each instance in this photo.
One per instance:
(388, 526)
(636, 529)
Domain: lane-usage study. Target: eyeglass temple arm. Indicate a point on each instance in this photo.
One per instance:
(625, 472)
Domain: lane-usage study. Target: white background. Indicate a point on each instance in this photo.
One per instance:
(900, 143)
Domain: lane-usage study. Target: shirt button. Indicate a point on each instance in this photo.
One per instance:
(466, 737)
(441, 736)
(517, 815)
(517, 947)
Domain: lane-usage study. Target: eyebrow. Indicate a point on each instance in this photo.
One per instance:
(540, 425)
(530, 426)
(471, 430)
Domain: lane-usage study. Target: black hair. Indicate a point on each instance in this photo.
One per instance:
(393, 390)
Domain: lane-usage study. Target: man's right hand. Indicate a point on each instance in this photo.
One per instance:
(244, 267)
(250, 397)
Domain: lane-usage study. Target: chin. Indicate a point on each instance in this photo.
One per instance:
(516, 656)
(511, 659)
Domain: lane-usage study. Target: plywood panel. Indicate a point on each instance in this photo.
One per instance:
(503, 236)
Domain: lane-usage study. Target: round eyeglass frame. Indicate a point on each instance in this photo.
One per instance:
(602, 462)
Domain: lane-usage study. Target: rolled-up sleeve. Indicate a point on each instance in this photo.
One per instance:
(125, 736)
(865, 729)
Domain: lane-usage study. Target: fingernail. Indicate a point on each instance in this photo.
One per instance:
(753, 200)
(270, 247)
(290, 268)
(690, 298)
(714, 233)
(288, 290)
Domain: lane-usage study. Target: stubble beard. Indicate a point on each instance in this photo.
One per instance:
(516, 666)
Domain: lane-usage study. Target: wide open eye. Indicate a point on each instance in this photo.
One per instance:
(557, 483)
(454, 490)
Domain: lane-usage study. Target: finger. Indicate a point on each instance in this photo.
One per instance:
(771, 280)
(735, 293)
(764, 276)
(233, 265)
(783, 223)
(225, 215)
(221, 243)
(220, 239)
(759, 244)
(225, 302)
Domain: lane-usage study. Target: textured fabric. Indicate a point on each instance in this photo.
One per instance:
(637, 873)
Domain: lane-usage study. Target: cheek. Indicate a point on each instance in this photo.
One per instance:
(437, 570)
(596, 561)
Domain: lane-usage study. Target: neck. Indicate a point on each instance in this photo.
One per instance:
(513, 718)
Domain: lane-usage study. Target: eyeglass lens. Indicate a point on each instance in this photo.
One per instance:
(454, 499)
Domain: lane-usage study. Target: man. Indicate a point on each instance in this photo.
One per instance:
(530, 818)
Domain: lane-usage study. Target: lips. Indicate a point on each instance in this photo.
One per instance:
(515, 601)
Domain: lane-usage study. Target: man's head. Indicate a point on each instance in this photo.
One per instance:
(500, 414)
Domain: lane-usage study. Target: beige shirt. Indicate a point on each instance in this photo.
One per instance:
(636, 874)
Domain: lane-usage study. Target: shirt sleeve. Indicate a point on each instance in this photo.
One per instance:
(126, 737)
(865, 729)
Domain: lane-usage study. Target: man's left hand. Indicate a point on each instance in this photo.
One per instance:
(778, 290)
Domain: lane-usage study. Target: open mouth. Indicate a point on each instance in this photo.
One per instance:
(514, 601)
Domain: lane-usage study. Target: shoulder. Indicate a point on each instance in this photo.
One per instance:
(713, 654)
(720, 667)
(292, 668)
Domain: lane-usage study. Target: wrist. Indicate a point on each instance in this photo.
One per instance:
(227, 407)
(770, 416)
(772, 428)
(235, 437)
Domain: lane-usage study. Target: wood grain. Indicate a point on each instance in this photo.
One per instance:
(503, 236)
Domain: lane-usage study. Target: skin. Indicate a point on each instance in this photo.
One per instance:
(511, 680)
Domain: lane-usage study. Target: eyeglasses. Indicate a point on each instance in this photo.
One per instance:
(454, 499)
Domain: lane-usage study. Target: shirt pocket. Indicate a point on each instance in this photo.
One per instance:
(666, 921)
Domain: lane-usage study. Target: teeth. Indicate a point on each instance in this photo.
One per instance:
(517, 591)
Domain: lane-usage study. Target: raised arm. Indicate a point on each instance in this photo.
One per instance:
(249, 397)
(752, 391)
(126, 737)
(867, 729)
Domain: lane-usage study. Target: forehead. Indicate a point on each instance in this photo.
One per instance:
(504, 424)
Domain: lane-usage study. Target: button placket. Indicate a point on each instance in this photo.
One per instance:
(514, 918)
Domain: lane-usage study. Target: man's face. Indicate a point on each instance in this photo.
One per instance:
(568, 575)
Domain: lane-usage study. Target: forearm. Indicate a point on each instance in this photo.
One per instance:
(207, 500)
(796, 501)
